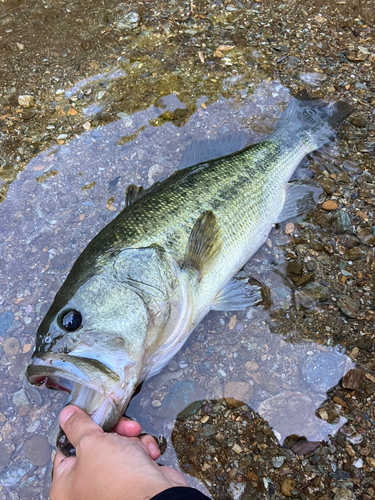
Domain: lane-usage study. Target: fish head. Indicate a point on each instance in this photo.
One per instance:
(96, 342)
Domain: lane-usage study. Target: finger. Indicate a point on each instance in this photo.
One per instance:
(76, 424)
(151, 445)
(62, 464)
(127, 427)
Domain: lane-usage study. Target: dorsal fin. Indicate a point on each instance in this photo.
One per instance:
(134, 193)
(204, 243)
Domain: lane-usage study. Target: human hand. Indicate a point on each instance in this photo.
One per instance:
(108, 466)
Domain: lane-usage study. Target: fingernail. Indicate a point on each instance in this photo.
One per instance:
(66, 413)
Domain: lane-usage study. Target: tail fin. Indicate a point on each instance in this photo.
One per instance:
(313, 120)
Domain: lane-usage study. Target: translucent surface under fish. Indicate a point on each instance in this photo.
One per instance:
(252, 405)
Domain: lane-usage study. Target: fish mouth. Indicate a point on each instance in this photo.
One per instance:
(93, 386)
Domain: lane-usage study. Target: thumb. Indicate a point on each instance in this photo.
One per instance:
(77, 424)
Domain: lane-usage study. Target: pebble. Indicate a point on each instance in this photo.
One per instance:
(26, 101)
(277, 462)
(289, 228)
(343, 494)
(28, 186)
(6, 320)
(6, 450)
(348, 306)
(302, 446)
(354, 253)
(37, 450)
(343, 222)
(287, 486)
(237, 449)
(128, 22)
(238, 393)
(20, 398)
(11, 346)
(329, 205)
(371, 462)
(353, 379)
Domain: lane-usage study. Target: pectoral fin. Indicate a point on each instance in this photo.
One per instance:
(300, 197)
(237, 294)
(204, 243)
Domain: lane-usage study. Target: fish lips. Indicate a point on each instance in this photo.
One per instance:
(74, 375)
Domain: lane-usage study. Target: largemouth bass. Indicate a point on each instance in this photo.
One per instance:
(149, 277)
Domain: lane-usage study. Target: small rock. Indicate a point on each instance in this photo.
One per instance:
(6, 320)
(6, 450)
(11, 346)
(28, 186)
(26, 101)
(209, 430)
(343, 493)
(354, 253)
(358, 121)
(302, 446)
(371, 462)
(348, 306)
(238, 393)
(353, 379)
(366, 236)
(173, 366)
(277, 462)
(327, 184)
(329, 205)
(237, 449)
(128, 22)
(287, 486)
(20, 398)
(293, 269)
(304, 279)
(37, 450)
(289, 228)
(356, 56)
(343, 222)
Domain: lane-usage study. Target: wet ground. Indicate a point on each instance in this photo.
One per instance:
(99, 95)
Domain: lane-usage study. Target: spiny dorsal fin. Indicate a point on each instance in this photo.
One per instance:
(134, 193)
(204, 243)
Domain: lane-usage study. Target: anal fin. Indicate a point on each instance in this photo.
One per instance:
(204, 243)
(237, 294)
(300, 197)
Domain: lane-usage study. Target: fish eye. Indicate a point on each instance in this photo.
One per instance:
(71, 320)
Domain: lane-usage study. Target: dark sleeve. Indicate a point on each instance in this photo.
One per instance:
(180, 493)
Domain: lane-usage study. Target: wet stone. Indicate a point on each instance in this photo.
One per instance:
(366, 236)
(183, 399)
(37, 450)
(294, 268)
(358, 121)
(302, 446)
(11, 346)
(343, 494)
(11, 477)
(6, 450)
(20, 398)
(287, 486)
(328, 185)
(329, 205)
(348, 306)
(237, 393)
(304, 279)
(353, 379)
(277, 462)
(209, 430)
(128, 22)
(6, 320)
(343, 222)
(354, 254)
(28, 186)
(339, 475)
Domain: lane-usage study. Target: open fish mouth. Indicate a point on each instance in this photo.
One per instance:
(98, 392)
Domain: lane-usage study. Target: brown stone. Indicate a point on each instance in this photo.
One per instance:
(238, 393)
(11, 346)
(37, 450)
(330, 205)
(287, 486)
(353, 379)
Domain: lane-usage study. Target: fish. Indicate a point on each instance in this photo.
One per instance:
(174, 252)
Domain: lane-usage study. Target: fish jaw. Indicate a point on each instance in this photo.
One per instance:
(103, 394)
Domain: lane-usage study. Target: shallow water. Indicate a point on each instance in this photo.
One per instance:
(235, 402)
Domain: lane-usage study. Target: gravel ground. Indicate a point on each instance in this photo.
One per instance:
(273, 402)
